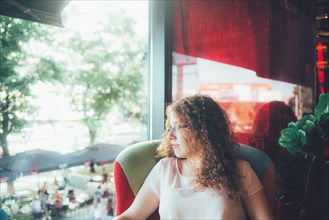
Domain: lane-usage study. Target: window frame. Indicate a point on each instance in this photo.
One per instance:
(159, 67)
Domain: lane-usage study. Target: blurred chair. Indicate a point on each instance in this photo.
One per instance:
(135, 162)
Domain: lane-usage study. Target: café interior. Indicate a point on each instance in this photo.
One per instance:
(281, 40)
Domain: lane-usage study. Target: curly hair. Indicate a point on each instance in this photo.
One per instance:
(211, 138)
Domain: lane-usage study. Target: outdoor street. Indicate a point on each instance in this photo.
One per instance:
(81, 181)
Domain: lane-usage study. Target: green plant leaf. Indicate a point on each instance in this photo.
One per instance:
(303, 138)
(323, 105)
(289, 138)
(309, 125)
(306, 135)
(292, 125)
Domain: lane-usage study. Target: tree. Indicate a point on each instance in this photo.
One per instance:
(17, 76)
(108, 70)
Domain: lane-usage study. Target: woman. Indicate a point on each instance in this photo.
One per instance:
(199, 175)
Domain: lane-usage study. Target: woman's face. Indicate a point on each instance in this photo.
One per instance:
(177, 137)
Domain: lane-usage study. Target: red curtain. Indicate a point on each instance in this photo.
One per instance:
(273, 38)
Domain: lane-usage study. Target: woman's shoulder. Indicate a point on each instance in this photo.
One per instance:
(243, 165)
(242, 162)
(164, 166)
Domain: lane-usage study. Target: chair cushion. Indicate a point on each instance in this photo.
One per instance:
(124, 193)
(258, 160)
(137, 161)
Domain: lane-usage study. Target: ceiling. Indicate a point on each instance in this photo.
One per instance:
(41, 11)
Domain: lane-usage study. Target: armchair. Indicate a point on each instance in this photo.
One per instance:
(134, 163)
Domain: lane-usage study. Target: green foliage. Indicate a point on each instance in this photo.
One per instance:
(108, 71)
(304, 173)
(49, 70)
(322, 108)
(14, 82)
(305, 136)
(101, 71)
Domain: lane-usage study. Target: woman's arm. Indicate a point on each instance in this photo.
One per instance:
(257, 206)
(145, 203)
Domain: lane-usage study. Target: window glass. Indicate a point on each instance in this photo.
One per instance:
(246, 54)
(97, 85)
(71, 98)
(240, 91)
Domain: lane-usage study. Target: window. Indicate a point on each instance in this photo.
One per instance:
(243, 58)
(90, 80)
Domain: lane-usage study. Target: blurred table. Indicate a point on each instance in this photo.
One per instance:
(97, 178)
(23, 193)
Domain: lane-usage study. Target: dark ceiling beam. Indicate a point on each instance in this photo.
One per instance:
(41, 11)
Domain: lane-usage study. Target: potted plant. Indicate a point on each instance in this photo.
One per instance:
(304, 173)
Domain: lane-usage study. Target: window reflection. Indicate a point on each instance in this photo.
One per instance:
(240, 91)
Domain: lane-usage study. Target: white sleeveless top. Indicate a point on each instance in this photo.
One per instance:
(181, 198)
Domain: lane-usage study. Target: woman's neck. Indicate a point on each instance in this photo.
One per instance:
(187, 167)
